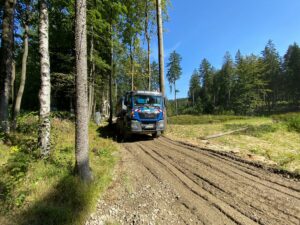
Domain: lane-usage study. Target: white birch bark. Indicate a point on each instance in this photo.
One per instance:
(45, 90)
(82, 143)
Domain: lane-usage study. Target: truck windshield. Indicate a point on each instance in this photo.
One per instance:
(149, 100)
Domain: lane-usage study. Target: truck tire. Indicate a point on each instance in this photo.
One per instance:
(156, 134)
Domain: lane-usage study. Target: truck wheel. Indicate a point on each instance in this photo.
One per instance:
(155, 135)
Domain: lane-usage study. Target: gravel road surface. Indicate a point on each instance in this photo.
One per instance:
(166, 182)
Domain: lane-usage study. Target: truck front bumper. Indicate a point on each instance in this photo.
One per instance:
(146, 127)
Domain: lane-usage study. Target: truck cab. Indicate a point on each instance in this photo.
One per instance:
(141, 112)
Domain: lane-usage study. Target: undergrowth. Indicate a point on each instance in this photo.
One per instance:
(35, 191)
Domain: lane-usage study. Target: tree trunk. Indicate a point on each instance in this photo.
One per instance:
(160, 47)
(23, 72)
(176, 106)
(45, 91)
(6, 62)
(92, 77)
(82, 167)
(132, 67)
(111, 77)
(13, 78)
(116, 90)
(148, 45)
(193, 98)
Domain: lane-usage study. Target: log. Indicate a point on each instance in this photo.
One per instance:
(223, 134)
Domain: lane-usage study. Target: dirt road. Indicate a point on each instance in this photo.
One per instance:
(165, 182)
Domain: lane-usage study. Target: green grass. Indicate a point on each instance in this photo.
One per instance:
(292, 120)
(34, 190)
(275, 138)
(203, 119)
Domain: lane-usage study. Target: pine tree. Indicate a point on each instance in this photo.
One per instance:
(272, 74)
(292, 73)
(206, 73)
(81, 137)
(195, 88)
(160, 46)
(174, 73)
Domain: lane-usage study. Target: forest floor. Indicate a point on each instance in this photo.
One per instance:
(166, 182)
(35, 191)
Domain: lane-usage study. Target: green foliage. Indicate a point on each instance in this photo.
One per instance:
(174, 69)
(34, 190)
(249, 86)
(292, 120)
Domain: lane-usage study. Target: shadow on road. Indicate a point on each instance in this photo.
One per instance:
(110, 131)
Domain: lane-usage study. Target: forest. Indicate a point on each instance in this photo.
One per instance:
(60, 62)
(62, 56)
(246, 84)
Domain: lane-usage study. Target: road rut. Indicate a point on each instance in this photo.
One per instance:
(207, 187)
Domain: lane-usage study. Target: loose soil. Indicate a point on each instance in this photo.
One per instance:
(166, 182)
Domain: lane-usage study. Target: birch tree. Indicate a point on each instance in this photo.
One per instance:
(82, 144)
(6, 62)
(45, 90)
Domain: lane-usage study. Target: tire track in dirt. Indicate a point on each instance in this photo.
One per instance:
(217, 188)
(257, 175)
(246, 166)
(236, 197)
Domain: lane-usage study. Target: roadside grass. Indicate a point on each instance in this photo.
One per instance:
(274, 139)
(203, 119)
(35, 191)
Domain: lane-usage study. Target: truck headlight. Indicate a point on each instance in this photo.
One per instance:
(135, 125)
(161, 124)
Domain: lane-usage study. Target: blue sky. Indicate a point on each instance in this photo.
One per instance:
(200, 29)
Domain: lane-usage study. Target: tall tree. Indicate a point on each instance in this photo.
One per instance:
(174, 73)
(82, 142)
(6, 62)
(226, 81)
(149, 19)
(160, 47)
(25, 21)
(292, 73)
(194, 90)
(45, 90)
(206, 73)
(249, 86)
(272, 74)
(154, 75)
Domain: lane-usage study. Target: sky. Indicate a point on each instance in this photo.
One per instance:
(200, 29)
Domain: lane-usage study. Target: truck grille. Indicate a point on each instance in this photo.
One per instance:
(148, 115)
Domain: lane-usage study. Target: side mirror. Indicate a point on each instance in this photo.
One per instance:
(124, 107)
(124, 104)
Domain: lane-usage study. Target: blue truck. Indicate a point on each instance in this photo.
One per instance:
(141, 112)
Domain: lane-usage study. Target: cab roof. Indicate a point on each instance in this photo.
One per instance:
(140, 92)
